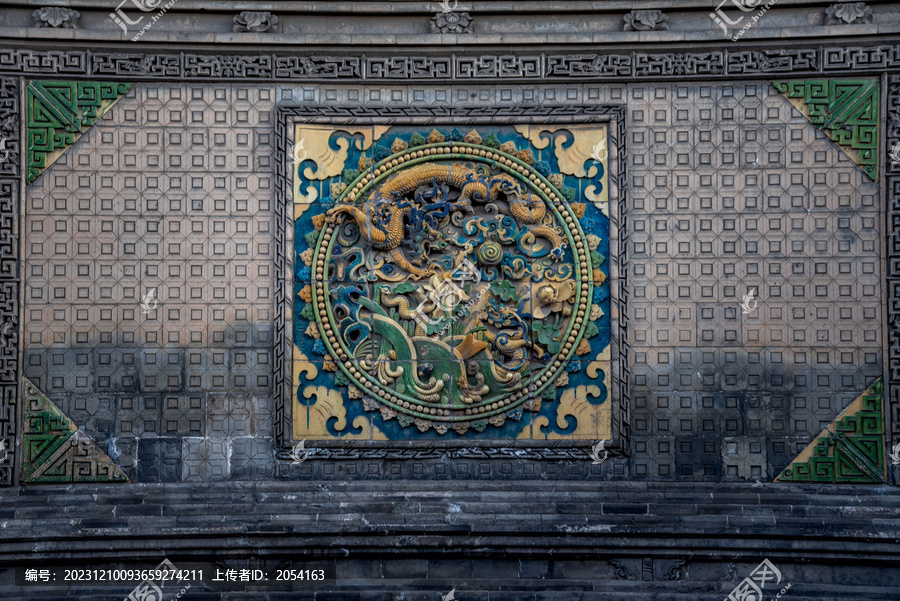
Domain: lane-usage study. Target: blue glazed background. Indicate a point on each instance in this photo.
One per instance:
(593, 222)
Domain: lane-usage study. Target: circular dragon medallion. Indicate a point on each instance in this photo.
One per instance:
(451, 284)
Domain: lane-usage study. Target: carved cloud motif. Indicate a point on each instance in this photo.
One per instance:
(575, 145)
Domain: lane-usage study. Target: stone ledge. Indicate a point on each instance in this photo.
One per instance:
(458, 518)
(587, 41)
(408, 23)
(412, 6)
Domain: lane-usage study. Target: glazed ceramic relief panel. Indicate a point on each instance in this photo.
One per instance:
(451, 283)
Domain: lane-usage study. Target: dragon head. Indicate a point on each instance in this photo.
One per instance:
(464, 204)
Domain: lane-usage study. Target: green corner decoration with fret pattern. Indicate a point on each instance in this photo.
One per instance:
(58, 112)
(850, 449)
(55, 450)
(846, 110)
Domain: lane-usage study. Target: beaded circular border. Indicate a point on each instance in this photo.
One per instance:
(528, 389)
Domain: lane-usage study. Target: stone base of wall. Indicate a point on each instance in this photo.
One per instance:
(419, 540)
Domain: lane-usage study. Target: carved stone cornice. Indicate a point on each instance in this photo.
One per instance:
(485, 67)
(186, 23)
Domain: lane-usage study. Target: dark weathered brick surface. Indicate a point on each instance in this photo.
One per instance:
(403, 540)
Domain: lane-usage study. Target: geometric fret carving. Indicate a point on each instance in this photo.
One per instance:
(892, 262)
(58, 112)
(54, 450)
(10, 168)
(290, 66)
(10, 140)
(846, 110)
(849, 450)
